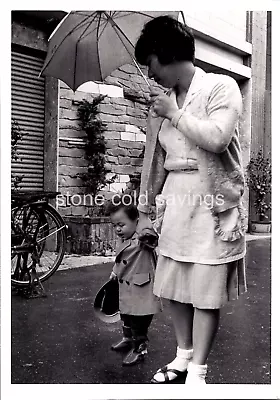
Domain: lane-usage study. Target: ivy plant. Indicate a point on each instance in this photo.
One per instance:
(95, 146)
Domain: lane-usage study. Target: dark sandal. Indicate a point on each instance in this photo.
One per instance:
(164, 370)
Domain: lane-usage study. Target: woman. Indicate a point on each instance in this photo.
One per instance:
(192, 162)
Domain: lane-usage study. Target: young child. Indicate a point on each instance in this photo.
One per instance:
(134, 268)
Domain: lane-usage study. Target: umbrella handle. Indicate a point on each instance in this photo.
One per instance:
(139, 69)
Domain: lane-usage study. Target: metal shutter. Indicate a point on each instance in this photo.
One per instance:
(28, 109)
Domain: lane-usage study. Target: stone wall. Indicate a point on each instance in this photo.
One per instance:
(125, 119)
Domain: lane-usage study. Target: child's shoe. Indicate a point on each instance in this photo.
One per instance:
(137, 354)
(126, 343)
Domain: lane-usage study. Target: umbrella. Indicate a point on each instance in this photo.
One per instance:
(89, 45)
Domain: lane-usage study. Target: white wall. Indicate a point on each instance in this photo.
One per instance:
(228, 23)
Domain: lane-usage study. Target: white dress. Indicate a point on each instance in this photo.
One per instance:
(195, 265)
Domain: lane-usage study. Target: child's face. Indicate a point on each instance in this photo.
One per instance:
(123, 225)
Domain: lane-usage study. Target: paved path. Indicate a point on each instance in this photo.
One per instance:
(57, 339)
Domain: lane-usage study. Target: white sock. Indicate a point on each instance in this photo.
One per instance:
(180, 363)
(196, 374)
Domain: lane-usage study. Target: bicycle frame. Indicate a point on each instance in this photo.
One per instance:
(26, 241)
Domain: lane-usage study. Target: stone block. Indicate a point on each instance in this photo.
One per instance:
(132, 128)
(79, 96)
(71, 133)
(71, 171)
(73, 161)
(123, 169)
(65, 151)
(68, 124)
(111, 143)
(130, 145)
(140, 137)
(135, 152)
(65, 181)
(65, 211)
(65, 103)
(113, 109)
(138, 122)
(121, 102)
(65, 92)
(117, 187)
(109, 118)
(135, 112)
(128, 68)
(124, 119)
(120, 75)
(117, 152)
(128, 136)
(136, 161)
(115, 127)
(112, 135)
(79, 210)
(111, 80)
(68, 114)
(124, 160)
(111, 159)
(124, 178)
(138, 169)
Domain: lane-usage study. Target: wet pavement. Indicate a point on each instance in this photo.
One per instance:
(57, 339)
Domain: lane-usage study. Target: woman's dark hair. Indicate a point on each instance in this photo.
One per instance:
(166, 38)
(125, 203)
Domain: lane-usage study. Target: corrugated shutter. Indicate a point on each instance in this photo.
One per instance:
(28, 109)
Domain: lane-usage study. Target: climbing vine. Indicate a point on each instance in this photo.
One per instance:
(95, 146)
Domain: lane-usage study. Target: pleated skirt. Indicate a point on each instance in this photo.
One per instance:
(194, 265)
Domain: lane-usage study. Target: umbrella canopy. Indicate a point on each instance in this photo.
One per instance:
(89, 45)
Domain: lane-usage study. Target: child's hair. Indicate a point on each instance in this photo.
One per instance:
(119, 202)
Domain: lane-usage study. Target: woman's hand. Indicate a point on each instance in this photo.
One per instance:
(162, 104)
(144, 222)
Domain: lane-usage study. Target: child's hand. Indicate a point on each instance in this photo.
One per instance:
(113, 276)
(149, 238)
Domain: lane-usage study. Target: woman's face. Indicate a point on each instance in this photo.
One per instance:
(162, 74)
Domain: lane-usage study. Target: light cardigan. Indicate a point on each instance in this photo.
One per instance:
(209, 118)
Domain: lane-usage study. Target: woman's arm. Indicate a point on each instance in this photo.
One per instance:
(144, 222)
(214, 132)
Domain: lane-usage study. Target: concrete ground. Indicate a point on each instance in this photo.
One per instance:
(58, 339)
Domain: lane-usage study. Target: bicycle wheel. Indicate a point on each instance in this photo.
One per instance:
(45, 227)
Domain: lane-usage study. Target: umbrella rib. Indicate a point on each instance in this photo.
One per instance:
(97, 44)
(114, 25)
(77, 43)
(75, 27)
(94, 29)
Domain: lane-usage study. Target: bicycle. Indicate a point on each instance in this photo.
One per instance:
(38, 241)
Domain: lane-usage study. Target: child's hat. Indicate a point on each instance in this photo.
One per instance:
(106, 303)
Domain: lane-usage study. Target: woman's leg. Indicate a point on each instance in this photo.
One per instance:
(205, 326)
(182, 318)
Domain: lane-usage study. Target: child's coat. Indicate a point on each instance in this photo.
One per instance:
(135, 268)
